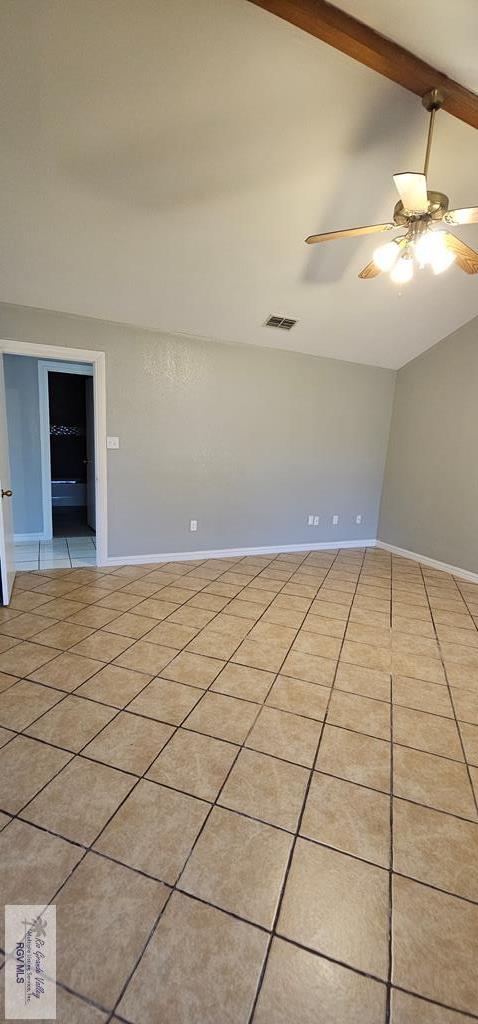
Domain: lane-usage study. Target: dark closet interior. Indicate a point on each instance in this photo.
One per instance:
(68, 452)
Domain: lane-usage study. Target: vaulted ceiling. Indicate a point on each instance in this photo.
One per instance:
(162, 163)
(443, 34)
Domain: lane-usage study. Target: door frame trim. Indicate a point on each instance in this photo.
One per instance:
(46, 366)
(61, 354)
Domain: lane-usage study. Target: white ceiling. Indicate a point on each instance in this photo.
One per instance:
(162, 163)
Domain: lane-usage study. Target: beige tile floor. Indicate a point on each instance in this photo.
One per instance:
(249, 786)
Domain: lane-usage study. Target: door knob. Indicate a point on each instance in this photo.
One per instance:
(6, 494)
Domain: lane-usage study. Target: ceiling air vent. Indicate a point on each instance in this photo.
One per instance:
(283, 322)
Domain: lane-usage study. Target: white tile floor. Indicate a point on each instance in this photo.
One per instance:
(59, 553)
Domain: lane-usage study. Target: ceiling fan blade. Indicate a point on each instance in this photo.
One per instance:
(369, 229)
(371, 270)
(468, 215)
(466, 257)
(412, 189)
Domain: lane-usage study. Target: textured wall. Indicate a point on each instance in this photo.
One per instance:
(246, 440)
(430, 494)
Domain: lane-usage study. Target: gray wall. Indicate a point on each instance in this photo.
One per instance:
(430, 494)
(246, 440)
(23, 416)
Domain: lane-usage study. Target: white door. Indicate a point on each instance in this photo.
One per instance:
(90, 454)
(7, 569)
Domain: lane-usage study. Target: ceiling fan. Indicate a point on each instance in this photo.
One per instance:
(421, 213)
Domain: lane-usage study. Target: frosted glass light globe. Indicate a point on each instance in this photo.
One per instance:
(384, 257)
(402, 271)
(442, 260)
(427, 247)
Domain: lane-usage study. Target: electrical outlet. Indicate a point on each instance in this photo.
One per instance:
(335, 520)
(310, 520)
(112, 443)
(316, 520)
(358, 520)
(193, 525)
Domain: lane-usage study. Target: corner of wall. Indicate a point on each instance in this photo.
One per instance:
(387, 454)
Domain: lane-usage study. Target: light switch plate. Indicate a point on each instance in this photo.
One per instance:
(112, 442)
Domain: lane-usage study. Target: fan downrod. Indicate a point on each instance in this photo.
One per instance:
(432, 101)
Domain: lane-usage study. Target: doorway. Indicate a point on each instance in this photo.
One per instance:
(57, 470)
(72, 457)
(67, 438)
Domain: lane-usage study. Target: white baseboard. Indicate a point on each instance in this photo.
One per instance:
(432, 563)
(190, 556)
(22, 538)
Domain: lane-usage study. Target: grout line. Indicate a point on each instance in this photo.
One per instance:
(119, 710)
(113, 661)
(201, 693)
(457, 724)
(196, 732)
(133, 787)
(157, 878)
(214, 804)
(388, 1008)
(250, 582)
(69, 552)
(294, 842)
(286, 711)
(319, 953)
(434, 1002)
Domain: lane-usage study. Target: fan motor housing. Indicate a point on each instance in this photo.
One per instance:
(438, 204)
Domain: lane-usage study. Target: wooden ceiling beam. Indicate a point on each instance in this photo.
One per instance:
(350, 36)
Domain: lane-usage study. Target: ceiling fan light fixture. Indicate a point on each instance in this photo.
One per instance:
(442, 260)
(429, 246)
(418, 210)
(402, 272)
(385, 256)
